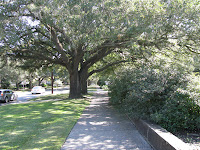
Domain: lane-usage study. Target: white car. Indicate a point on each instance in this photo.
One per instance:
(37, 90)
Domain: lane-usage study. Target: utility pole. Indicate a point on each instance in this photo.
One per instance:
(52, 82)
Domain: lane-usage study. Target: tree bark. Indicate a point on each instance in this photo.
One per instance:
(83, 81)
(39, 82)
(30, 84)
(75, 89)
(17, 85)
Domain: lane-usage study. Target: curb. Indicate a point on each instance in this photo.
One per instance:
(158, 137)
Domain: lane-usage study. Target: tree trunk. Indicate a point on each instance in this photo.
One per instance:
(39, 82)
(75, 89)
(17, 85)
(30, 84)
(83, 81)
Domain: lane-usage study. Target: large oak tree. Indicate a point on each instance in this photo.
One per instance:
(79, 33)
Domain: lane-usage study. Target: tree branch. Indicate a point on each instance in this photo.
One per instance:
(78, 54)
(59, 45)
(34, 55)
(67, 39)
(107, 66)
(190, 49)
(103, 50)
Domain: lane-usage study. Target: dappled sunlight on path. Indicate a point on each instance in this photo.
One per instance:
(102, 127)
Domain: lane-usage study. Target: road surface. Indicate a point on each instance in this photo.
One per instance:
(24, 96)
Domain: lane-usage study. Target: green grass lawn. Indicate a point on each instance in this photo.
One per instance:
(51, 97)
(39, 125)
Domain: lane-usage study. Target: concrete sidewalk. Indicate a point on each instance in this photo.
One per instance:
(102, 127)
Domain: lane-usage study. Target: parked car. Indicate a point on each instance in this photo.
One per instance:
(7, 95)
(37, 90)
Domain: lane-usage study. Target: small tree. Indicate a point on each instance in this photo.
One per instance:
(5, 84)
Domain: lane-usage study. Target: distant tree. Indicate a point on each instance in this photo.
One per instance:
(9, 73)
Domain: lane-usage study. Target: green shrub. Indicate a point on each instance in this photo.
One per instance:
(119, 88)
(5, 84)
(101, 82)
(150, 93)
(144, 85)
(44, 85)
(180, 112)
(105, 87)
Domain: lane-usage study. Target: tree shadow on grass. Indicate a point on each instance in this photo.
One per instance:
(47, 97)
(38, 125)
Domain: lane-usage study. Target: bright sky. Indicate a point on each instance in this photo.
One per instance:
(29, 21)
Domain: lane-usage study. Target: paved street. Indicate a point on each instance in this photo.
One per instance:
(24, 96)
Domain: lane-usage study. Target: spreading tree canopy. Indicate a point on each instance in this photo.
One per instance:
(79, 33)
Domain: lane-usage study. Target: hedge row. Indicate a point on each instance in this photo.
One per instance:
(157, 95)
